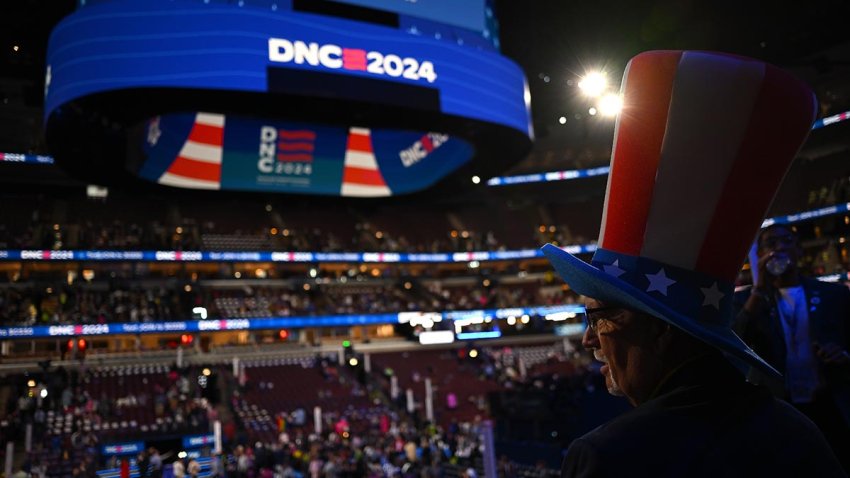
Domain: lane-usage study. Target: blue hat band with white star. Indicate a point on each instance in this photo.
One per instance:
(691, 294)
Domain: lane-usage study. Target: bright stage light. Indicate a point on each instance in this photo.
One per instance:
(593, 84)
(610, 105)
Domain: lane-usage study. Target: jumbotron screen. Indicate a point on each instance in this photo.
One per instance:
(469, 14)
(231, 96)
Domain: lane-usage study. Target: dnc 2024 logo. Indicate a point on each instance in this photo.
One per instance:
(335, 57)
(286, 152)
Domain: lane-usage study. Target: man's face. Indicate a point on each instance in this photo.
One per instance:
(780, 240)
(621, 342)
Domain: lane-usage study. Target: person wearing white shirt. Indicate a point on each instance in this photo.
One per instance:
(802, 328)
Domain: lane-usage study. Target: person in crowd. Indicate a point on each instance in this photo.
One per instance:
(178, 469)
(193, 469)
(216, 465)
(676, 226)
(802, 327)
(505, 467)
(143, 464)
(155, 460)
(20, 473)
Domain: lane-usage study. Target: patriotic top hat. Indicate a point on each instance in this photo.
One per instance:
(700, 148)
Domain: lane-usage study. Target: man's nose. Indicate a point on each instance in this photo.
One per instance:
(589, 340)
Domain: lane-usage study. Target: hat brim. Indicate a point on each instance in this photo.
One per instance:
(589, 281)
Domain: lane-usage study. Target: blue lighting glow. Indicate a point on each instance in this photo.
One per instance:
(495, 334)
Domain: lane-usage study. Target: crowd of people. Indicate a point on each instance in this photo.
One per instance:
(396, 449)
(70, 413)
(77, 304)
(116, 232)
(189, 235)
(381, 439)
(386, 439)
(101, 302)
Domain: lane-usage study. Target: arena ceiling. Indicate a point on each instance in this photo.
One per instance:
(554, 41)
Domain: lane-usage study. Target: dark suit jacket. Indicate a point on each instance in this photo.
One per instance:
(705, 421)
(829, 321)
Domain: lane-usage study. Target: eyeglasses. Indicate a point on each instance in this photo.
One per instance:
(594, 314)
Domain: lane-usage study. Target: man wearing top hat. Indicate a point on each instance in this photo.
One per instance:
(680, 213)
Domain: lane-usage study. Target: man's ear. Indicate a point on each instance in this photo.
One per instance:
(662, 335)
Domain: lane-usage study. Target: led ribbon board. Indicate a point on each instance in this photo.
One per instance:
(211, 151)
(265, 323)
(149, 66)
(280, 256)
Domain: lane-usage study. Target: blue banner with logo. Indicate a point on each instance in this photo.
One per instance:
(198, 441)
(264, 256)
(130, 448)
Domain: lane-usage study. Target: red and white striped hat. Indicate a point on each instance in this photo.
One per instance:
(701, 146)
